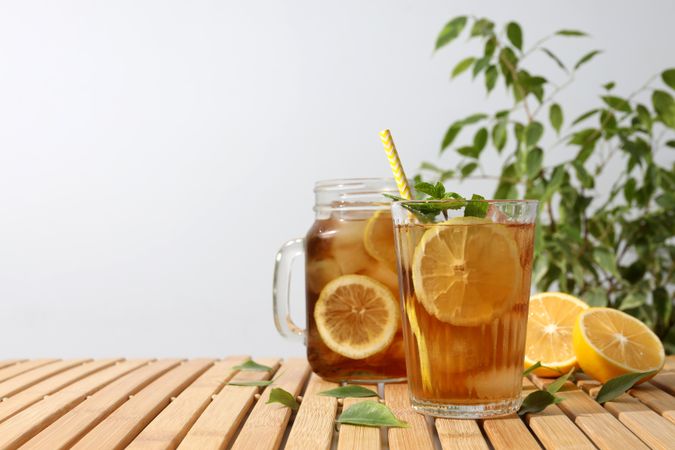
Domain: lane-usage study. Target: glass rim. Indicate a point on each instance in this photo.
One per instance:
(447, 200)
(342, 183)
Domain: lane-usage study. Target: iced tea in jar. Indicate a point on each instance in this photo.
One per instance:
(352, 297)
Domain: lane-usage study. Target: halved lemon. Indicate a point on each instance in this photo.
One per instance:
(378, 239)
(609, 343)
(550, 321)
(465, 270)
(356, 316)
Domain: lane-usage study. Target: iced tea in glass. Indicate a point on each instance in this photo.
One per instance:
(352, 296)
(465, 284)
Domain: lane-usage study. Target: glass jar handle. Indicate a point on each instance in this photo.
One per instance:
(281, 289)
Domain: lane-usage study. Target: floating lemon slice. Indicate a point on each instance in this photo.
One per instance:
(378, 239)
(356, 316)
(609, 343)
(550, 321)
(465, 270)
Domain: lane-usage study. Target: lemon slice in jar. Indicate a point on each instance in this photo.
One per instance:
(356, 316)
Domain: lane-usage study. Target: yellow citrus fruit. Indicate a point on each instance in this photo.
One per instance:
(356, 316)
(465, 270)
(550, 321)
(609, 343)
(378, 239)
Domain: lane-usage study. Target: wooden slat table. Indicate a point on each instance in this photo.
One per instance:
(188, 404)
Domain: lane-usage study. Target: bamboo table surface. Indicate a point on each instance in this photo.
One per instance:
(187, 404)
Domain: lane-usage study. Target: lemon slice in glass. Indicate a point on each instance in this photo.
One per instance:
(465, 270)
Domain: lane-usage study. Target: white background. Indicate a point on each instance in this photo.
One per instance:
(155, 154)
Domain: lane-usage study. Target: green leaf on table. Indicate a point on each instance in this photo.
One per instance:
(451, 30)
(259, 383)
(491, 75)
(278, 395)
(665, 107)
(559, 382)
(515, 34)
(370, 413)
(587, 57)
(571, 33)
(349, 390)
(532, 368)
(555, 115)
(476, 207)
(252, 366)
(618, 386)
(537, 401)
(533, 132)
(617, 103)
(668, 77)
(462, 66)
(555, 58)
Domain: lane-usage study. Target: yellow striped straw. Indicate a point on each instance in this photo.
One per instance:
(395, 163)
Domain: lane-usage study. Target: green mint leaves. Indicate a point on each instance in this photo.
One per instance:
(538, 400)
(532, 368)
(349, 391)
(370, 413)
(278, 395)
(618, 386)
(253, 366)
(442, 202)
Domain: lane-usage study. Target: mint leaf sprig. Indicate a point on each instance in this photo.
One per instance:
(538, 400)
(427, 211)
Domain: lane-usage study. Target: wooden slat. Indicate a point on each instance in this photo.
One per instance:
(220, 420)
(509, 432)
(123, 425)
(556, 431)
(38, 391)
(65, 431)
(266, 424)
(600, 426)
(352, 437)
(417, 436)
(456, 434)
(27, 379)
(314, 423)
(170, 426)
(670, 364)
(650, 427)
(10, 362)
(16, 369)
(658, 400)
(665, 381)
(20, 428)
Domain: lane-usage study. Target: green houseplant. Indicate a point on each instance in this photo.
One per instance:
(611, 247)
